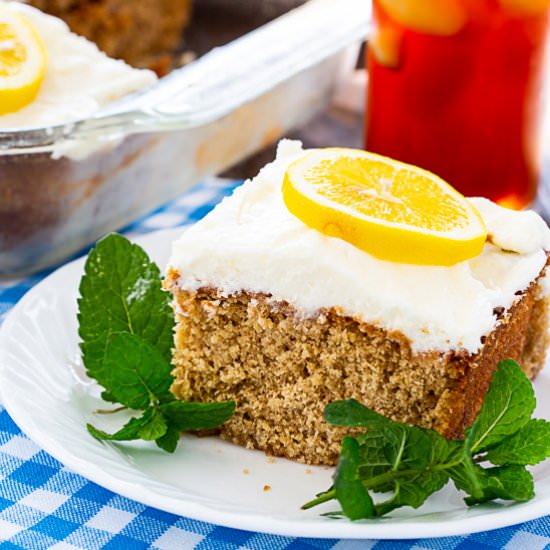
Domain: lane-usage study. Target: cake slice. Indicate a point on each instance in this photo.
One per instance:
(283, 319)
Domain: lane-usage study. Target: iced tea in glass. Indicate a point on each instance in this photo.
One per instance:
(455, 87)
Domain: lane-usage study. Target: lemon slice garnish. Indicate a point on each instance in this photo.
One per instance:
(385, 44)
(393, 211)
(440, 17)
(22, 61)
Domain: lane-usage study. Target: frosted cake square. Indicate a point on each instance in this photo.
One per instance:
(284, 320)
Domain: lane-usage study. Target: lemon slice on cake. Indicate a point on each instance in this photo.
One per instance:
(23, 61)
(393, 211)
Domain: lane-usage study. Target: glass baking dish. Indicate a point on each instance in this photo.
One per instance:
(63, 187)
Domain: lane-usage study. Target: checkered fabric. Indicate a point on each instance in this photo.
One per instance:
(45, 505)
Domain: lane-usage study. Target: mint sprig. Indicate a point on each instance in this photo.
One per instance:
(126, 327)
(412, 463)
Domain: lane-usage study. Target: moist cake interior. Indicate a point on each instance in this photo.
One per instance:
(283, 368)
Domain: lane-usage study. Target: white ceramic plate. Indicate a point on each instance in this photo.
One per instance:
(44, 389)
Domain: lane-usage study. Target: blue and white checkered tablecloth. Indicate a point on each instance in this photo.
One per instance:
(45, 505)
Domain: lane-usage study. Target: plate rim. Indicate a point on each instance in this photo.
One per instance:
(387, 528)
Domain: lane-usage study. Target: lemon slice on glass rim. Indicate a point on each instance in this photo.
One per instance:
(23, 61)
(392, 210)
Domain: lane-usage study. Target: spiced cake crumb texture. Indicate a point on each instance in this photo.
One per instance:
(282, 368)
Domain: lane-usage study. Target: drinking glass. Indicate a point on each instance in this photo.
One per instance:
(455, 88)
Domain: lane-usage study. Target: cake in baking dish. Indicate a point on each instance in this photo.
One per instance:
(75, 86)
(138, 31)
(285, 319)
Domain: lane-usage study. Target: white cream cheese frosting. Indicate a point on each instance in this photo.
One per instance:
(252, 242)
(79, 79)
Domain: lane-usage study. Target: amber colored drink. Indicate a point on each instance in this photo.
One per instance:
(455, 87)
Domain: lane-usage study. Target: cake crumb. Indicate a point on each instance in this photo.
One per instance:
(283, 377)
(267, 488)
(308, 471)
(246, 472)
(271, 460)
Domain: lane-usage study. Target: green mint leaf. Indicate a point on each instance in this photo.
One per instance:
(464, 472)
(507, 407)
(441, 450)
(392, 456)
(413, 491)
(402, 459)
(121, 292)
(530, 445)
(133, 371)
(169, 441)
(467, 477)
(511, 482)
(407, 447)
(155, 428)
(129, 432)
(373, 458)
(125, 323)
(350, 413)
(107, 396)
(388, 446)
(351, 494)
(187, 416)
(413, 462)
